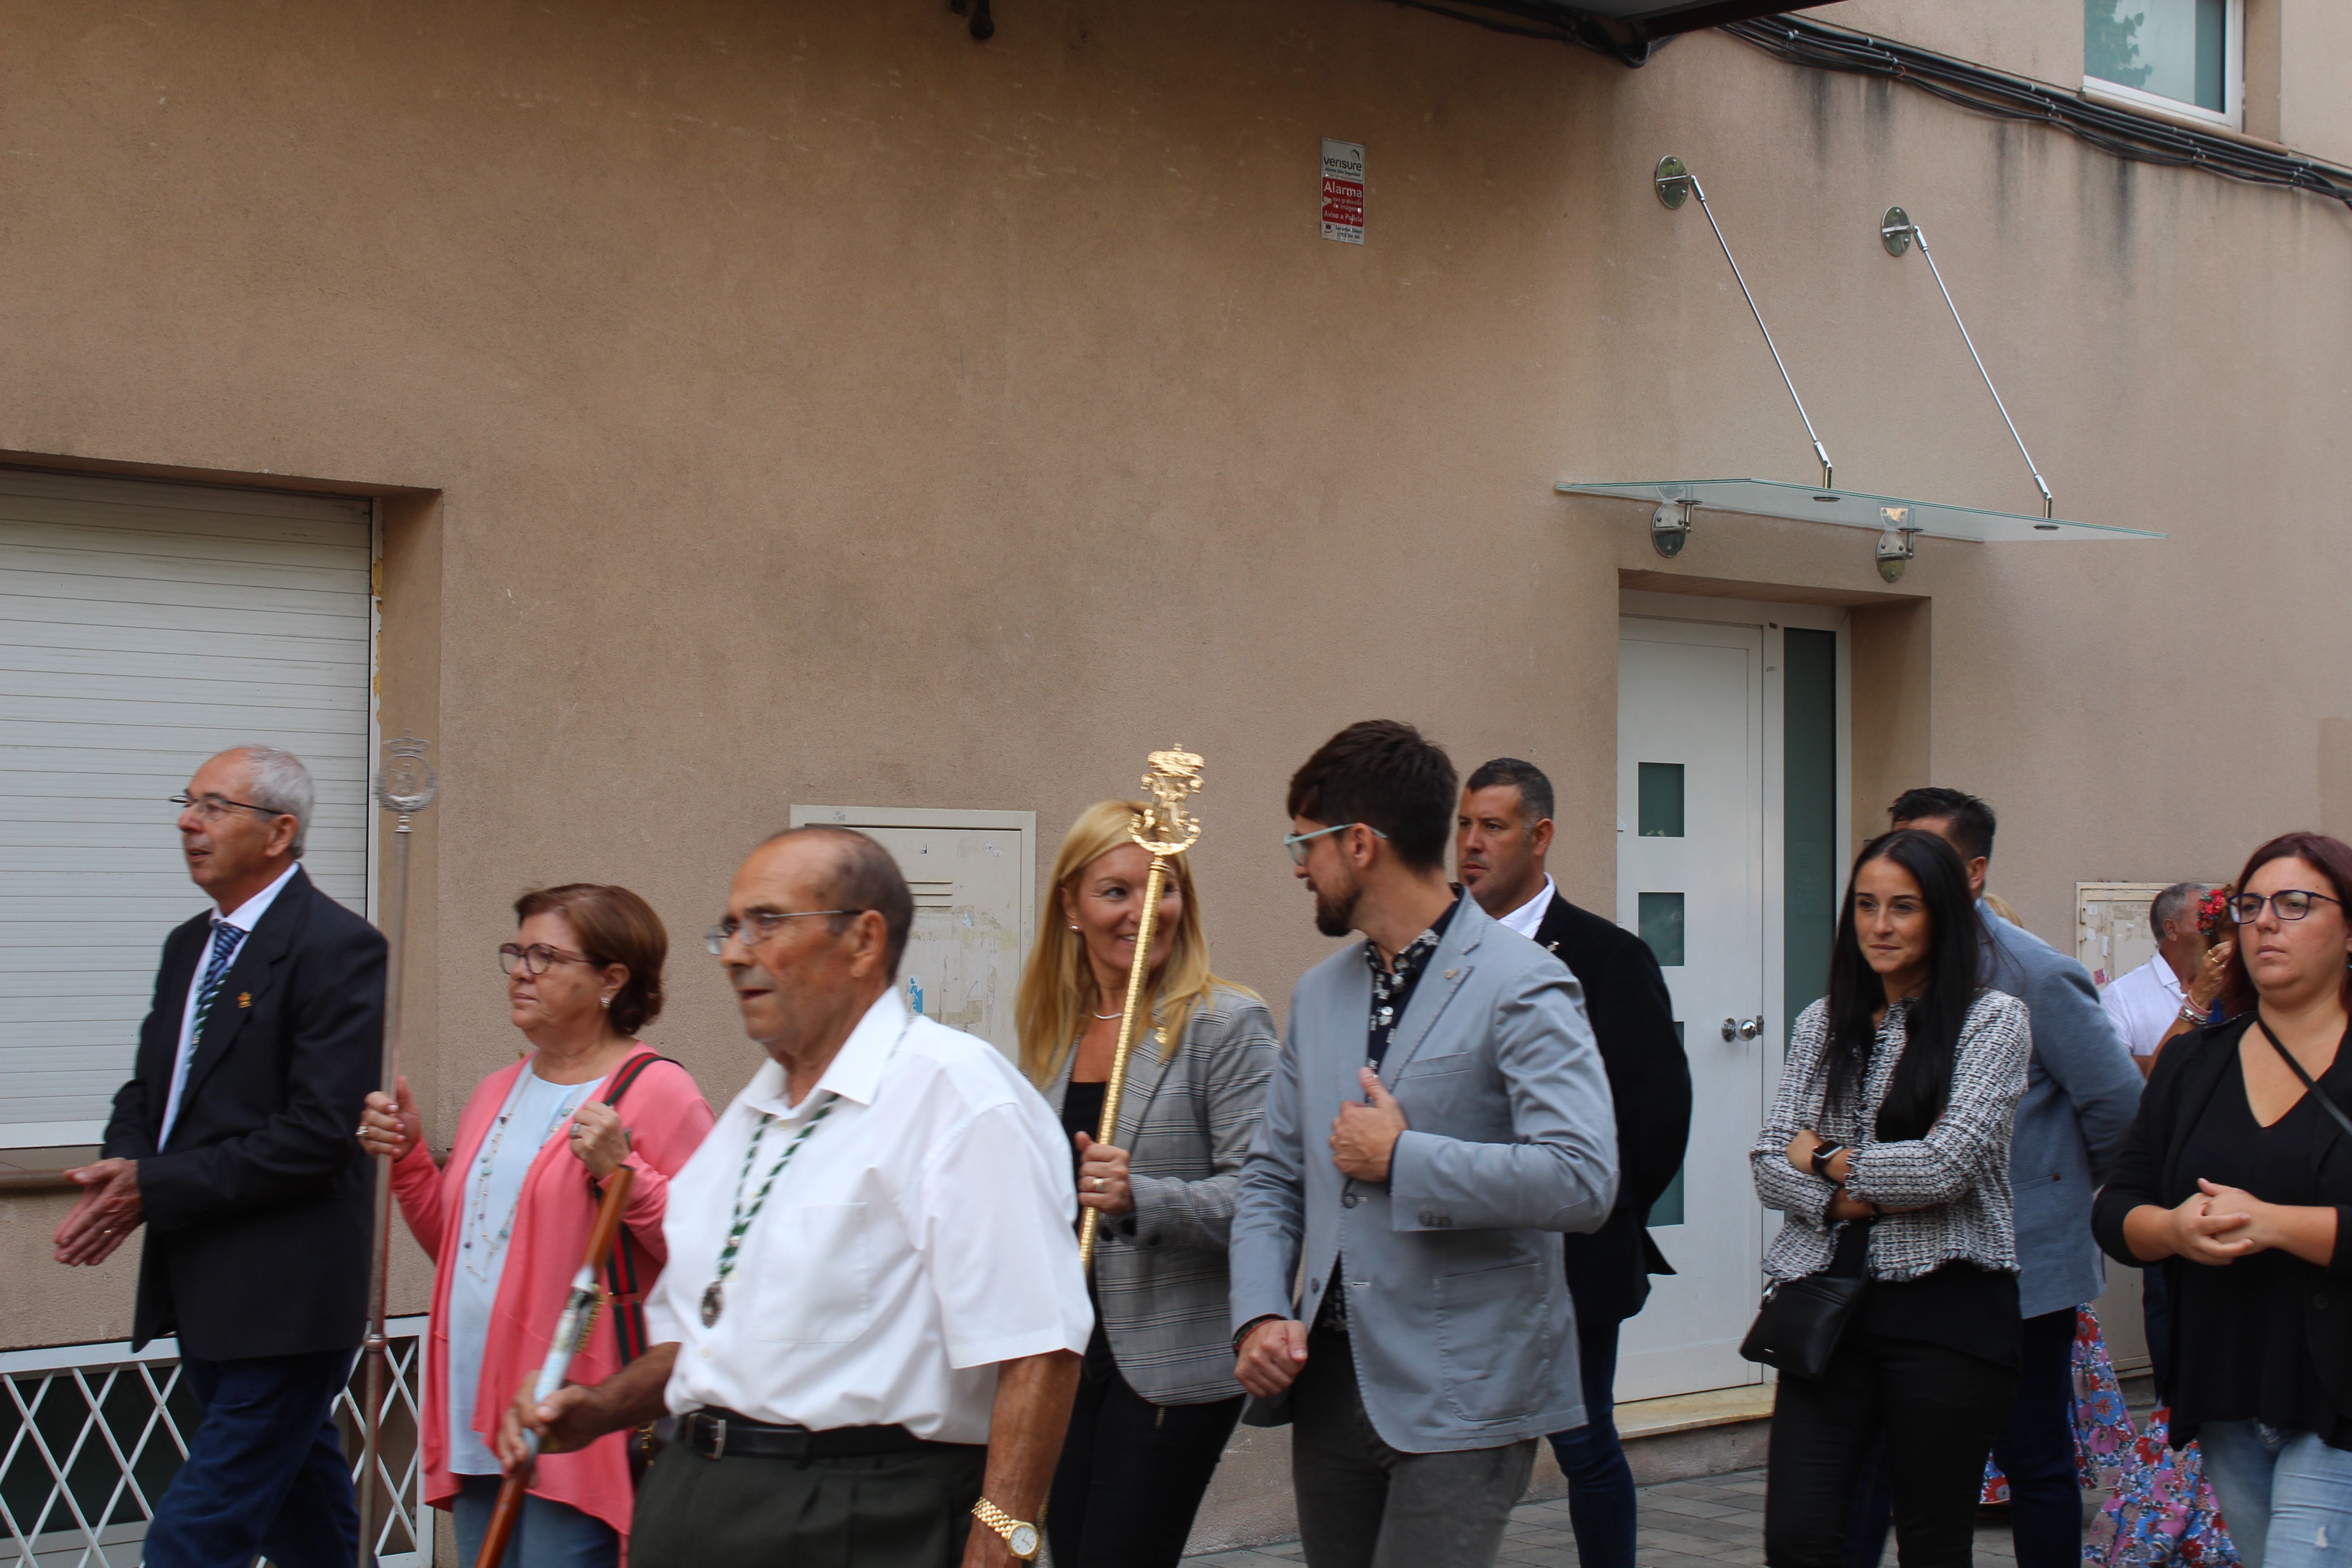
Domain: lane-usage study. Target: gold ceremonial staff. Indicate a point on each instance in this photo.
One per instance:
(1163, 828)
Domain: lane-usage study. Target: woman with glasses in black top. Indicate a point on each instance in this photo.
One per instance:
(2238, 1178)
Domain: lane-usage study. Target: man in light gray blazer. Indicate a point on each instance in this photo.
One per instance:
(2082, 1092)
(1438, 1115)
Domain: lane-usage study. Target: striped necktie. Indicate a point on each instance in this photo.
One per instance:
(226, 940)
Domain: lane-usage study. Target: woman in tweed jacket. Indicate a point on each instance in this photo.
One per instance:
(1158, 1399)
(1887, 1152)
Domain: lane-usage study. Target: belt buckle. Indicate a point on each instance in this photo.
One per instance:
(718, 1435)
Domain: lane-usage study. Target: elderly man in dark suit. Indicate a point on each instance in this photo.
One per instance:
(1501, 834)
(233, 1144)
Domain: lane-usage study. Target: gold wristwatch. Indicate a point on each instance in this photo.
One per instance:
(1020, 1536)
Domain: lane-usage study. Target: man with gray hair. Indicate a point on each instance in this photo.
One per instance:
(2175, 991)
(233, 1144)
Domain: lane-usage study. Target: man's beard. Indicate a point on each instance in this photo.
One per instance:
(1335, 916)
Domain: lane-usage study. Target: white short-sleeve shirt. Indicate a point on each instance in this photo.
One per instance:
(2143, 1004)
(924, 1232)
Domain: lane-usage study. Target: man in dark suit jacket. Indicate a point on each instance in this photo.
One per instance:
(1502, 834)
(234, 1143)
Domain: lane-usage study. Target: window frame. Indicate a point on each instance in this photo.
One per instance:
(2233, 83)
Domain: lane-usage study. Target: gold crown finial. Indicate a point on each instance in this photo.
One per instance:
(1165, 827)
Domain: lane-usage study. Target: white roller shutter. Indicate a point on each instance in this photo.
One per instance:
(142, 628)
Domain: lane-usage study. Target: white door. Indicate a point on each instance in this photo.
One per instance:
(1690, 879)
(142, 628)
(971, 872)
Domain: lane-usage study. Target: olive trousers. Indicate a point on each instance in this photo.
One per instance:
(881, 1510)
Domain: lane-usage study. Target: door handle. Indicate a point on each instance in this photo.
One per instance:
(1742, 1028)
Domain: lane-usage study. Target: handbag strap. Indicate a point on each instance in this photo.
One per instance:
(2318, 1093)
(621, 1282)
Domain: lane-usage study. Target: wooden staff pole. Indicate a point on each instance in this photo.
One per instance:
(571, 1333)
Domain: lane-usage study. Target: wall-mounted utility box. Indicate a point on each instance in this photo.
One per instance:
(975, 878)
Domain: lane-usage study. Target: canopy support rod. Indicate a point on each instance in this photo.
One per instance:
(1666, 176)
(1898, 227)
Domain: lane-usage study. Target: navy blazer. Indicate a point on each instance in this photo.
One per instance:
(258, 1206)
(1649, 1077)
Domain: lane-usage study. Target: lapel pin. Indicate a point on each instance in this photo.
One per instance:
(1452, 972)
(245, 998)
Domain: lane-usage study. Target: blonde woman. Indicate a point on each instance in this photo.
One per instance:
(1157, 1398)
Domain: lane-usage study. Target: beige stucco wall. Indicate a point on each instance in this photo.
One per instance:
(2315, 103)
(2040, 41)
(824, 407)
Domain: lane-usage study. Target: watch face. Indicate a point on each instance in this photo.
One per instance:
(1022, 1540)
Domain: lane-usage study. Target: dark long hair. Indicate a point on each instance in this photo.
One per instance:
(2332, 858)
(1923, 1079)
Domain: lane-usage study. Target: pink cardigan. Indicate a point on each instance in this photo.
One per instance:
(667, 1117)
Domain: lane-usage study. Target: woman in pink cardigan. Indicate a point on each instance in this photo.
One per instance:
(506, 1219)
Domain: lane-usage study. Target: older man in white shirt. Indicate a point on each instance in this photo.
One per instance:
(873, 1272)
(2175, 991)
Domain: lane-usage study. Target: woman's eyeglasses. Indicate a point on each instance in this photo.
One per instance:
(2288, 904)
(538, 958)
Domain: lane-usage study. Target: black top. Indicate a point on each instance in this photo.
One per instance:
(1393, 987)
(2268, 1337)
(1082, 1108)
(261, 1179)
(1960, 1306)
(2245, 1321)
(1649, 1080)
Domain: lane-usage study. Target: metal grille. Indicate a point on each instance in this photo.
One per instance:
(91, 1435)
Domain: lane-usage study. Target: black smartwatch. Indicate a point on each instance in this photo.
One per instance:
(1822, 1154)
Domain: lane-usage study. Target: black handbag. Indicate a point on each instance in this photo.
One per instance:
(1801, 1323)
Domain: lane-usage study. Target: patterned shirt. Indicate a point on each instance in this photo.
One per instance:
(1393, 987)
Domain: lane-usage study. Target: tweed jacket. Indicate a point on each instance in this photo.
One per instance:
(1186, 1121)
(1460, 1323)
(1956, 1177)
(2082, 1092)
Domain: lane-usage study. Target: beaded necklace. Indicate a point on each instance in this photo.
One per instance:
(714, 1299)
(478, 1222)
(714, 1295)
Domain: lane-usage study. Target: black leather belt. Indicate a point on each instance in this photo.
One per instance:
(719, 1434)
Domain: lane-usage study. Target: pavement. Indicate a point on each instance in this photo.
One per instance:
(1704, 1523)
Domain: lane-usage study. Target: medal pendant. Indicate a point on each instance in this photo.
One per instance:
(713, 1303)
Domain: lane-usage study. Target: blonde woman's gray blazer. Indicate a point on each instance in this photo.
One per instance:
(1186, 1123)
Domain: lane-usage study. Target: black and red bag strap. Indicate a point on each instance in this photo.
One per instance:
(622, 1285)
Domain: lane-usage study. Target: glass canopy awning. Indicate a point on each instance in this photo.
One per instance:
(1851, 508)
